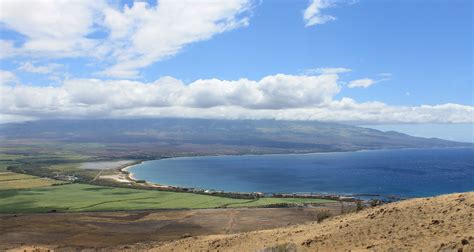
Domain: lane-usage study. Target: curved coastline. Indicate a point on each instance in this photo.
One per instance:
(303, 153)
(133, 178)
(129, 175)
(231, 194)
(126, 171)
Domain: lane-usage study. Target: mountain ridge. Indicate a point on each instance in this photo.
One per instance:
(219, 136)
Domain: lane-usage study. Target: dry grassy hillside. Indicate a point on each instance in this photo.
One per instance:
(443, 223)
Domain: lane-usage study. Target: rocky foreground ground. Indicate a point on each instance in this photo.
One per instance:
(443, 223)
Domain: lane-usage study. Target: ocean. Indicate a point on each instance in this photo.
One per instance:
(404, 172)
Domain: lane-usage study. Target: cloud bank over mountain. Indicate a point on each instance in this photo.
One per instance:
(280, 96)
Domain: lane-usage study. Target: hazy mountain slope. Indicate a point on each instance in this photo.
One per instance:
(239, 134)
(443, 223)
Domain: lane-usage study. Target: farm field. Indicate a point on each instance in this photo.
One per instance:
(82, 197)
(11, 180)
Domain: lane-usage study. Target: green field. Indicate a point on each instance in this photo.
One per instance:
(82, 197)
(8, 160)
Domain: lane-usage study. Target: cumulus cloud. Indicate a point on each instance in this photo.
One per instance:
(126, 38)
(51, 27)
(280, 96)
(272, 92)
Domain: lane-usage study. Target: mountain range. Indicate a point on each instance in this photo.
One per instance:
(205, 136)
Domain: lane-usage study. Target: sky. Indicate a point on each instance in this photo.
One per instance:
(406, 64)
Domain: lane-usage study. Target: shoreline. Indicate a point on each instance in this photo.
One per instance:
(129, 174)
(151, 185)
(349, 196)
(124, 170)
(306, 153)
(143, 183)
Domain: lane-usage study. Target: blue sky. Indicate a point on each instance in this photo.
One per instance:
(406, 62)
(425, 45)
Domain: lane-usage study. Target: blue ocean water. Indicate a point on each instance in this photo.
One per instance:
(404, 173)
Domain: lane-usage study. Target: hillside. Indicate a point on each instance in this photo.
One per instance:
(443, 223)
(199, 136)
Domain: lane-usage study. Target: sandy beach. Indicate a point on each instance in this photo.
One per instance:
(124, 176)
(121, 175)
(126, 171)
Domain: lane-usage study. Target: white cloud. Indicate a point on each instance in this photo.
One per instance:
(367, 82)
(7, 77)
(384, 77)
(51, 27)
(132, 37)
(361, 83)
(7, 49)
(281, 97)
(165, 29)
(272, 92)
(44, 69)
(4, 118)
(313, 16)
(328, 70)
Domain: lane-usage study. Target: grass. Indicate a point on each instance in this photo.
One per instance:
(10, 157)
(15, 148)
(7, 160)
(68, 167)
(5, 164)
(82, 197)
(5, 176)
(10, 180)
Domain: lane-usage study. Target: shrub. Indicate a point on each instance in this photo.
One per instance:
(323, 215)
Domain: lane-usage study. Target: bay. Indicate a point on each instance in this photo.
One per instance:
(402, 172)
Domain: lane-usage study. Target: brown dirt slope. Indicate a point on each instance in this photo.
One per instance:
(115, 231)
(443, 223)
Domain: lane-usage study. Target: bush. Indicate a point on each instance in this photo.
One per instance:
(359, 205)
(286, 247)
(323, 215)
